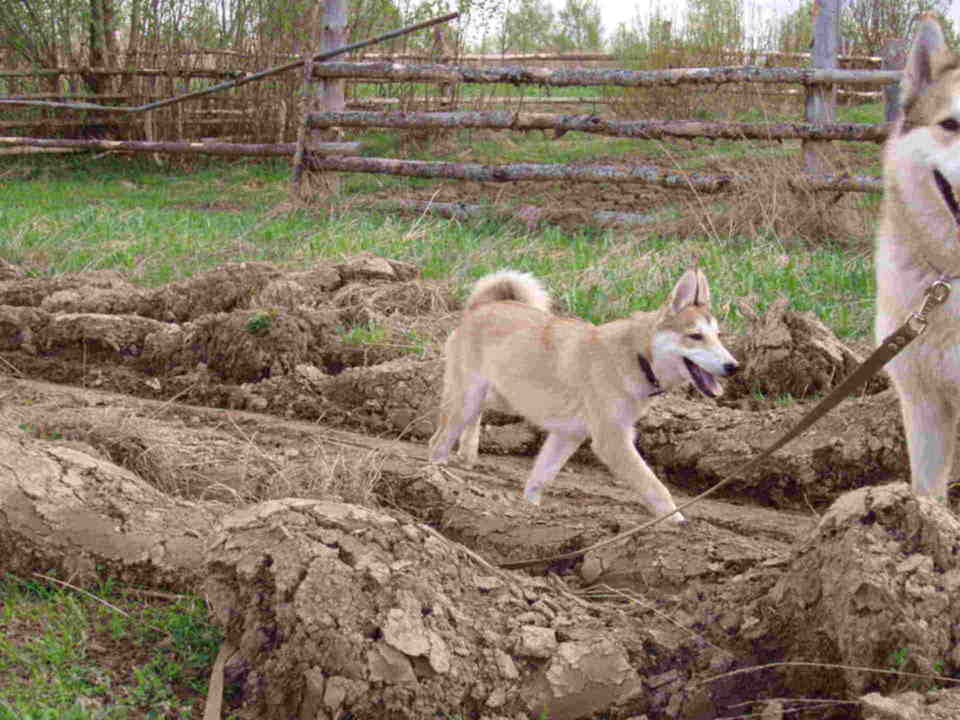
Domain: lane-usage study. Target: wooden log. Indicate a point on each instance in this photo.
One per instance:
(199, 148)
(515, 100)
(837, 183)
(508, 120)
(548, 172)
(643, 174)
(64, 97)
(46, 126)
(569, 77)
(602, 57)
(138, 72)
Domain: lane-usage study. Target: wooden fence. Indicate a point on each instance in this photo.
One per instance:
(518, 121)
(815, 133)
(217, 146)
(817, 81)
(228, 118)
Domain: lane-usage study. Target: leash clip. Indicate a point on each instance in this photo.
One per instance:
(934, 296)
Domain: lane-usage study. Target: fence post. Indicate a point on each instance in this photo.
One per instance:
(821, 104)
(894, 57)
(334, 35)
(325, 95)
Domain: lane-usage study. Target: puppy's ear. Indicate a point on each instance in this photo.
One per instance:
(686, 290)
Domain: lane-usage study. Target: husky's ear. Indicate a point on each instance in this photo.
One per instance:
(703, 290)
(691, 289)
(928, 57)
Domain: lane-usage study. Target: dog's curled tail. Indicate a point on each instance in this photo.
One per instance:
(509, 285)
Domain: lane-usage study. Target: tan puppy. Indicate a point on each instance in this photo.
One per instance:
(574, 379)
(917, 243)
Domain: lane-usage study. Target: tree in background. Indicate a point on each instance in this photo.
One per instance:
(528, 28)
(644, 38)
(867, 25)
(579, 26)
(794, 33)
(714, 25)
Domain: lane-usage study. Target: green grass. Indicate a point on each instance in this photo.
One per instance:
(370, 334)
(70, 213)
(409, 341)
(63, 655)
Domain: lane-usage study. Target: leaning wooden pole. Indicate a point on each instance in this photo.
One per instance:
(598, 125)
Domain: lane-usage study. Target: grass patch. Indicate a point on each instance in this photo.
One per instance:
(63, 655)
(70, 213)
(408, 340)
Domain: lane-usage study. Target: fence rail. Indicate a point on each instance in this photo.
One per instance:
(645, 129)
(582, 77)
(189, 148)
(551, 172)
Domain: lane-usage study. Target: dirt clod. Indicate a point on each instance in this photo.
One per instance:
(932, 705)
(792, 353)
(874, 587)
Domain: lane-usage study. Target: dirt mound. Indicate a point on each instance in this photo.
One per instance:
(932, 705)
(241, 322)
(397, 397)
(336, 609)
(358, 345)
(119, 300)
(32, 291)
(791, 353)
(682, 608)
(244, 346)
(71, 510)
(366, 266)
(216, 291)
(9, 271)
(406, 298)
(875, 587)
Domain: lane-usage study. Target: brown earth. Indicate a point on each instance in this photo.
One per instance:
(232, 433)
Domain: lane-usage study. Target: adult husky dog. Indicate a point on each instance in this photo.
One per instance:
(574, 379)
(918, 243)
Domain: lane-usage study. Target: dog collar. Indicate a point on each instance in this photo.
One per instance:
(648, 373)
(946, 192)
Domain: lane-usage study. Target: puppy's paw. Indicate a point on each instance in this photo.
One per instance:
(466, 462)
(534, 498)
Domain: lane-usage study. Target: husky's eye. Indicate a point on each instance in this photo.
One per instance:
(695, 336)
(950, 125)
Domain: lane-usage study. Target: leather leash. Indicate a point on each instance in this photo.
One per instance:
(934, 296)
